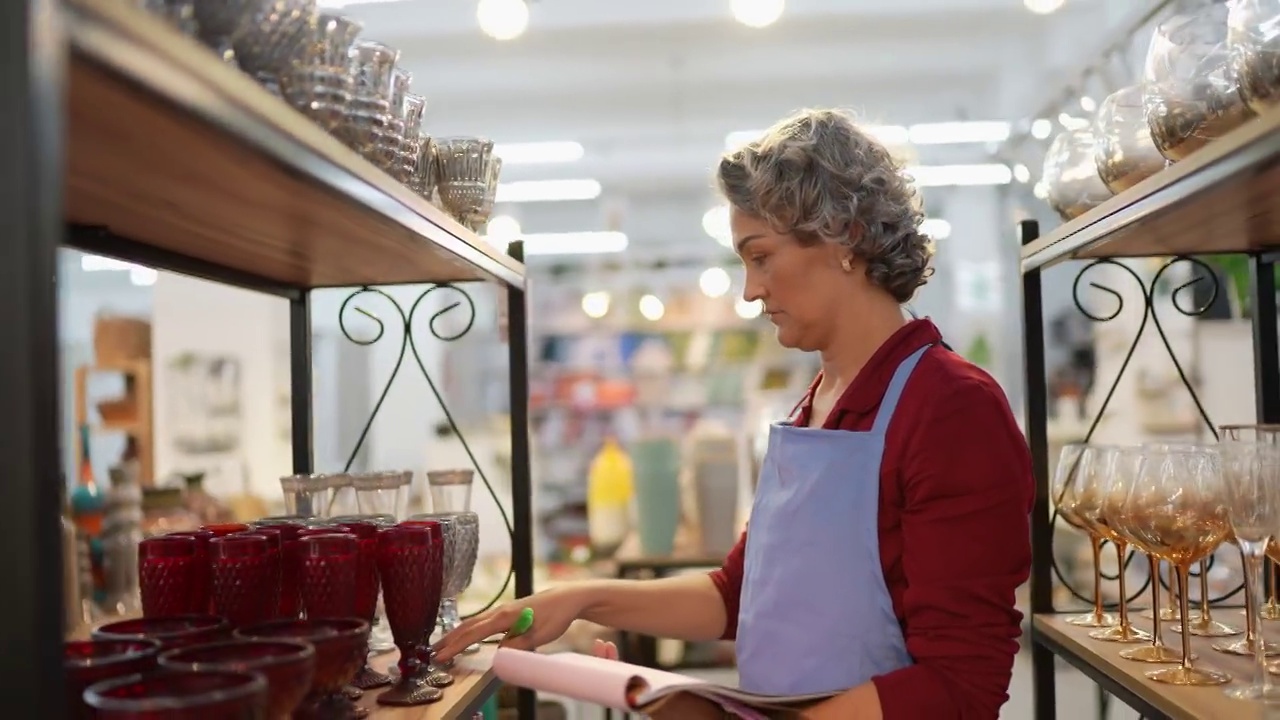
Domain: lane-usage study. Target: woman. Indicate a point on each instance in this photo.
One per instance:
(890, 525)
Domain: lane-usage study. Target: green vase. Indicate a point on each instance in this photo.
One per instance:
(656, 468)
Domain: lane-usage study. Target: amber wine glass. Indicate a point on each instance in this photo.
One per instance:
(1093, 481)
(1177, 508)
(1251, 480)
(1127, 465)
(1064, 494)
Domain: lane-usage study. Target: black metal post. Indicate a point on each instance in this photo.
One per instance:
(1037, 415)
(1266, 355)
(521, 472)
(33, 55)
(300, 387)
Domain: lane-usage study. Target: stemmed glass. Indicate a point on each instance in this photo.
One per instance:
(1251, 478)
(1064, 498)
(1127, 464)
(1176, 508)
(1202, 622)
(405, 558)
(1097, 465)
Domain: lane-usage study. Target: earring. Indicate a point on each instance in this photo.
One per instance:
(848, 266)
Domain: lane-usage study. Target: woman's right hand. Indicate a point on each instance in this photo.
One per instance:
(553, 611)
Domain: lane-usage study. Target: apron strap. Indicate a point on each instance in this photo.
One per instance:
(894, 392)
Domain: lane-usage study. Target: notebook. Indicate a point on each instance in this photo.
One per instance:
(632, 688)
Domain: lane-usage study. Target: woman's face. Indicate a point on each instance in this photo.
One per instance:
(802, 288)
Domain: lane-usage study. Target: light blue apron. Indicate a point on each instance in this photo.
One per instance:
(815, 614)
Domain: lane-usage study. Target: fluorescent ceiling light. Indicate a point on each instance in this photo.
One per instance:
(941, 133)
(960, 175)
(1043, 7)
(547, 191)
(757, 13)
(503, 19)
(538, 153)
(573, 243)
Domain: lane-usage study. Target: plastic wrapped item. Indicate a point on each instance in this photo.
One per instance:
(1253, 42)
(1123, 150)
(1070, 177)
(1190, 89)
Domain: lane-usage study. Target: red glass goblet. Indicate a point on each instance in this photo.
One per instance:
(406, 554)
(330, 565)
(173, 695)
(243, 572)
(277, 520)
(171, 632)
(89, 662)
(287, 665)
(225, 529)
(366, 534)
(290, 590)
(339, 644)
(433, 588)
(169, 576)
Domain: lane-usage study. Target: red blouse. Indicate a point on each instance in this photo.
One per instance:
(955, 542)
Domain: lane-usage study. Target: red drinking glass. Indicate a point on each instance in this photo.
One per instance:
(408, 557)
(330, 566)
(225, 529)
(170, 632)
(275, 549)
(89, 662)
(287, 665)
(243, 572)
(204, 583)
(174, 695)
(290, 591)
(170, 576)
(340, 648)
(433, 590)
(366, 533)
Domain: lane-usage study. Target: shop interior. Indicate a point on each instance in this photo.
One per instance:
(651, 381)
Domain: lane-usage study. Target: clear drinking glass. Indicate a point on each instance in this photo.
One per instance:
(450, 490)
(1064, 500)
(1251, 479)
(382, 493)
(1177, 509)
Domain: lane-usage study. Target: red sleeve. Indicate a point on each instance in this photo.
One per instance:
(967, 487)
(728, 580)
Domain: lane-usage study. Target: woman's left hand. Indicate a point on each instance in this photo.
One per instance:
(683, 706)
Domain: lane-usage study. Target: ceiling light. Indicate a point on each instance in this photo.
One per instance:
(143, 276)
(503, 19)
(652, 308)
(547, 190)
(714, 282)
(956, 133)
(1021, 173)
(538, 153)
(960, 175)
(1044, 7)
(574, 243)
(1071, 122)
(502, 229)
(98, 263)
(747, 310)
(715, 223)
(595, 304)
(1041, 128)
(1088, 104)
(757, 13)
(935, 228)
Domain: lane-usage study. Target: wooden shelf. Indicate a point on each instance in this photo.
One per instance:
(188, 158)
(1126, 680)
(473, 683)
(1219, 200)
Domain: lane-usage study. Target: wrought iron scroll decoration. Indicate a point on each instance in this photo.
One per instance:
(409, 348)
(1149, 313)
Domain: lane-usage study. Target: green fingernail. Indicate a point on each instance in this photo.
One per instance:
(522, 623)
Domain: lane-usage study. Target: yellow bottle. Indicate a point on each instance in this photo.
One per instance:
(609, 494)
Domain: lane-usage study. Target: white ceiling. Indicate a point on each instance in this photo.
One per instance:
(650, 89)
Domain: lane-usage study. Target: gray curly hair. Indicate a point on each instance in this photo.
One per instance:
(819, 177)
